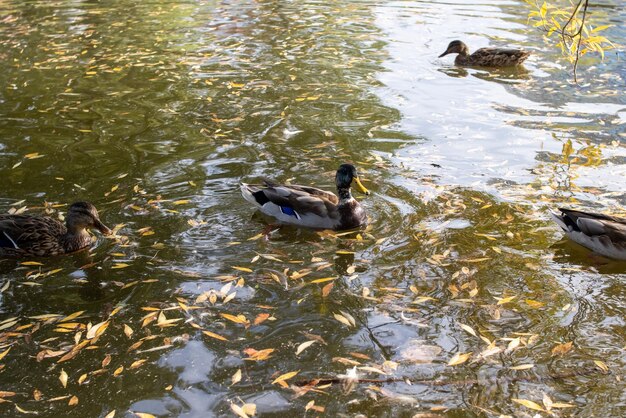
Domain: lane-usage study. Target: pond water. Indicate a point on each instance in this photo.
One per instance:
(155, 111)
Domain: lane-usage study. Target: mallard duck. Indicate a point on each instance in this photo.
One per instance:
(604, 234)
(486, 57)
(40, 236)
(310, 207)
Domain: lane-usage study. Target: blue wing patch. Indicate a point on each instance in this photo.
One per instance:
(289, 211)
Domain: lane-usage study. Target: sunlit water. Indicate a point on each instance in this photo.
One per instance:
(155, 111)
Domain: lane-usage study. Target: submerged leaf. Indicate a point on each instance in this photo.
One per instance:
(562, 349)
(459, 358)
(528, 404)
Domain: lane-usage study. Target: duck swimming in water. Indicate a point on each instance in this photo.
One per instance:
(603, 234)
(42, 236)
(486, 57)
(311, 207)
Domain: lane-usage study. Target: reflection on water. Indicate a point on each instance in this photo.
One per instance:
(155, 111)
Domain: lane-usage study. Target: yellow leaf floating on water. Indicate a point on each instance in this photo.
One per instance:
(137, 363)
(63, 378)
(459, 358)
(602, 365)
(72, 316)
(33, 155)
(502, 301)
(372, 369)
(249, 409)
(261, 318)
(214, 335)
(522, 367)
(97, 330)
(304, 346)
(513, 344)
(106, 361)
(468, 329)
(143, 414)
(562, 349)
(120, 265)
(236, 378)
(342, 319)
(258, 355)
(118, 371)
(244, 269)
(4, 353)
(128, 331)
(529, 404)
(82, 378)
(327, 289)
(239, 411)
(73, 401)
(283, 377)
(562, 405)
(181, 202)
(239, 319)
(24, 411)
(322, 280)
(534, 304)
(31, 263)
(110, 414)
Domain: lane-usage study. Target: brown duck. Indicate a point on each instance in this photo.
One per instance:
(41, 236)
(310, 207)
(604, 234)
(486, 57)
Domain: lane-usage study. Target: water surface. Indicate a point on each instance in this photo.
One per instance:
(155, 111)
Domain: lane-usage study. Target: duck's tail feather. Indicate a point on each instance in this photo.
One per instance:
(560, 220)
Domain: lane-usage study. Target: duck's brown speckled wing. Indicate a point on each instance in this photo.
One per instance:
(313, 191)
(302, 201)
(498, 57)
(22, 235)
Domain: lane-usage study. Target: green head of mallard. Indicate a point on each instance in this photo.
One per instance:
(344, 177)
(84, 215)
(456, 47)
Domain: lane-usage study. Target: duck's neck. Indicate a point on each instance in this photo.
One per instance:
(463, 58)
(344, 194)
(75, 239)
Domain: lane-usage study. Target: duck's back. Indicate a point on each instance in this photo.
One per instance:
(498, 57)
(30, 235)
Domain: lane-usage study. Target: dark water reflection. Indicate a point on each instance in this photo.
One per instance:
(156, 110)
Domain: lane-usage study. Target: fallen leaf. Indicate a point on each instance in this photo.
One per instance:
(459, 358)
(285, 377)
(304, 346)
(528, 404)
(214, 335)
(97, 330)
(562, 349)
(261, 318)
(63, 378)
(468, 329)
(236, 378)
(522, 367)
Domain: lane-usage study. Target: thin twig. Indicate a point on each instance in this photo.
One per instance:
(580, 37)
